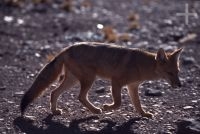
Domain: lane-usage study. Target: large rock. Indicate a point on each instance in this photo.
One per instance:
(188, 61)
(152, 92)
(188, 126)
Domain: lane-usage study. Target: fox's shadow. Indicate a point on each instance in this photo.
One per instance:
(53, 127)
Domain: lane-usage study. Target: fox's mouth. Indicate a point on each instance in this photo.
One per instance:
(173, 84)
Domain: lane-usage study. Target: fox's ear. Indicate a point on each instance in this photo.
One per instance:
(161, 55)
(176, 53)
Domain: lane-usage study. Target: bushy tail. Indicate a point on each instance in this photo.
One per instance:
(46, 76)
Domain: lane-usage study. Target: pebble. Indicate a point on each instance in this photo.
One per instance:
(2, 88)
(100, 26)
(8, 18)
(108, 113)
(95, 121)
(152, 92)
(37, 55)
(30, 119)
(194, 101)
(169, 111)
(141, 44)
(166, 22)
(19, 93)
(20, 21)
(94, 128)
(10, 102)
(188, 107)
(188, 126)
(156, 105)
(100, 90)
(188, 60)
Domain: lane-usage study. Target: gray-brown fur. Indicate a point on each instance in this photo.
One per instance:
(82, 62)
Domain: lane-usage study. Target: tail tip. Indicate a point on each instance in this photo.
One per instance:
(24, 103)
(22, 108)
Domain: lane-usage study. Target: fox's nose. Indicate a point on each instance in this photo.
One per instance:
(175, 85)
(178, 84)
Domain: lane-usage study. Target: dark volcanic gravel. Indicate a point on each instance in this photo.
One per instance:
(30, 34)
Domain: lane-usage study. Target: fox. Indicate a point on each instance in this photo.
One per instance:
(84, 61)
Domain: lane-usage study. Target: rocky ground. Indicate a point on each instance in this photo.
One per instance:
(30, 34)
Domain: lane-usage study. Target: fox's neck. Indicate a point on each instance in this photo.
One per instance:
(149, 67)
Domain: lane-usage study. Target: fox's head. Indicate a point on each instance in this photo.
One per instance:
(168, 66)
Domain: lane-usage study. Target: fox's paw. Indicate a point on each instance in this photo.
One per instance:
(57, 112)
(147, 114)
(96, 111)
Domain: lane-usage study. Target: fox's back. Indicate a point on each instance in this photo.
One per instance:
(107, 60)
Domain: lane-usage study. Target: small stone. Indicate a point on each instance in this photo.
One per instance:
(30, 119)
(156, 105)
(189, 80)
(95, 121)
(100, 26)
(188, 60)
(95, 15)
(89, 34)
(100, 90)
(10, 102)
(97, 103)
(194, 101)
(168, 22)
(108, 113)
(32, 75)
(188, 107)
(152, 92)
(142, 44)
(94, 128)
(37, 55)
(169, 111)
(2, 88)
(20, 21)
(54, 85)
(8, 18)
(19, 93)
(188, 126)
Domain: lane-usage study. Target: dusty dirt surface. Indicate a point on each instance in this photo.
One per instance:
(31, 33)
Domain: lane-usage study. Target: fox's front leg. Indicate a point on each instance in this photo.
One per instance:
(116, 96)
(133, 92)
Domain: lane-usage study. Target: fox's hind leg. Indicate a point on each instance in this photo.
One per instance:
(83, 95)
(67, 83)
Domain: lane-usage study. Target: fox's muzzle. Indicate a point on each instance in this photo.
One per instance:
(179, 85)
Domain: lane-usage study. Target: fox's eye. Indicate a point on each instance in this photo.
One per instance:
(170, 73)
